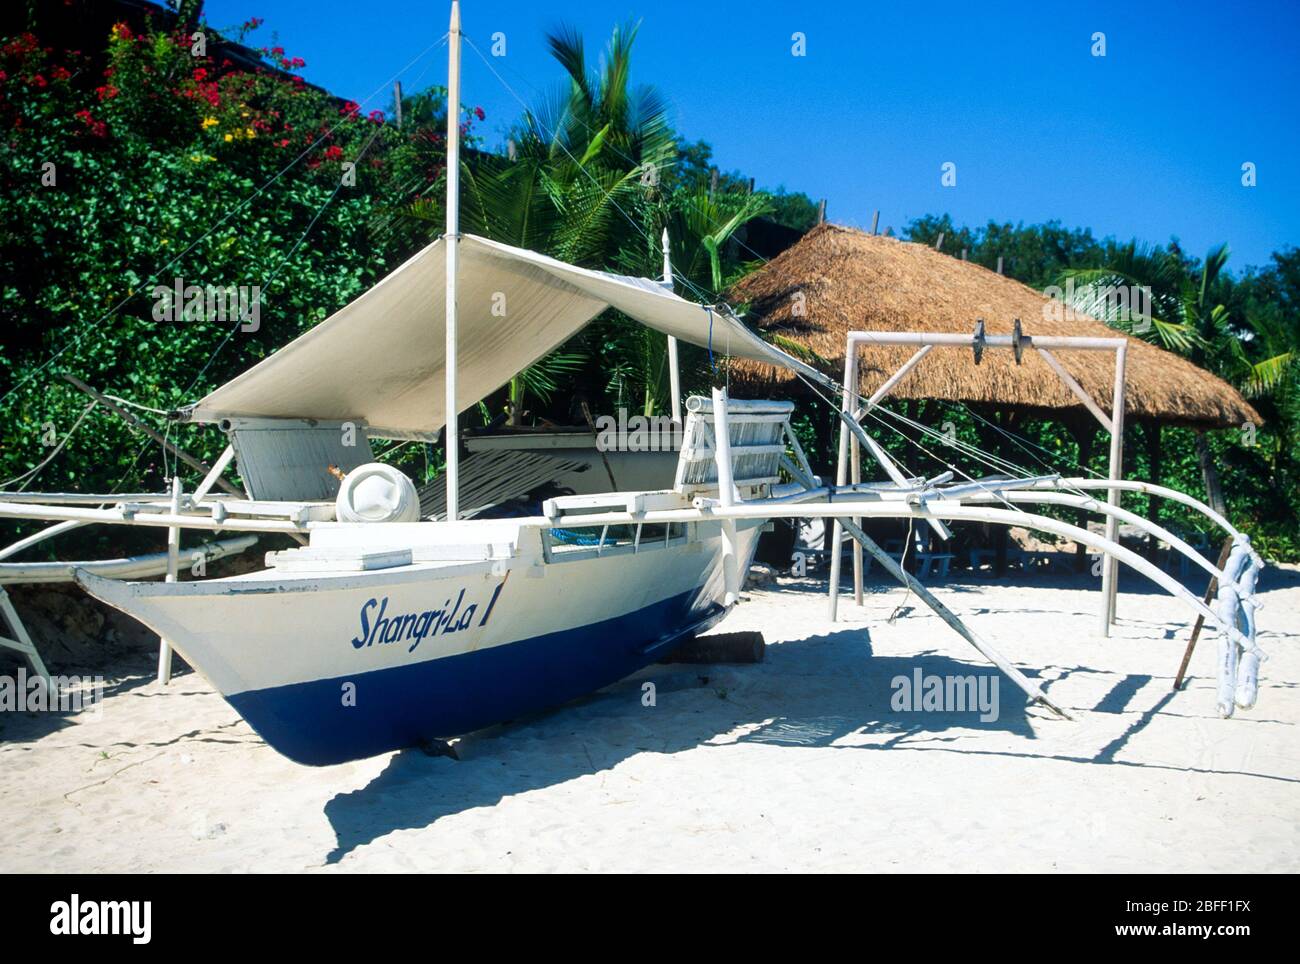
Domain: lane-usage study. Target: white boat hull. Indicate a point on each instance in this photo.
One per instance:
(329, 667)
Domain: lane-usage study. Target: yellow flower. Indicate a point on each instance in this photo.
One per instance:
(249, 132)
(195, 158)
(229, 138)
(164, 241)
(209, 122)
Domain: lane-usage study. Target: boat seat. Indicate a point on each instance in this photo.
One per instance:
(757, 432)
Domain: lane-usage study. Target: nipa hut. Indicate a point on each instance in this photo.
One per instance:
(837, 280)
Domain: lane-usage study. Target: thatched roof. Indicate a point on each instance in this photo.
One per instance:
(854, 281)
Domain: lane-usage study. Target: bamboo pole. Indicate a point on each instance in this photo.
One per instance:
(1210, 590)
(674, 367)
(855, 475)
(835, 531)
(1109, 567)
(726, 496)
(451, 411)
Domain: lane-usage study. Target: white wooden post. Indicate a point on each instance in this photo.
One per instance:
(1110, 565)
(836, 531)
(726, 496)
(855, 475)
(450, 434)
(173, 560)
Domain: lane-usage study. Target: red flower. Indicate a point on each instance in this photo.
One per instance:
(3, 76)
(478, 112)
(98, 128)
(277, 51)
(60, 73)
(377, 116)
(333, 153)
(107, 92)
(349, 108)
(39, 81)
(298, 63)
(200, 73)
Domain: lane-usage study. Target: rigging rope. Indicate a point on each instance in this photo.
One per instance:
(30, 475)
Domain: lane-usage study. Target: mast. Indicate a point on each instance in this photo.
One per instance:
(674, 371)
(450, 434)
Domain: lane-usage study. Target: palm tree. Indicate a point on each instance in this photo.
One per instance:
(1179, 310)
(588, 178)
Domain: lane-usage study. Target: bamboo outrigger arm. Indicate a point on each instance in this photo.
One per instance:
(950, 509)
(942, 509)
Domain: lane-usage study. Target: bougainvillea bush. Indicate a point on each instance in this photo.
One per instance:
(156, 159)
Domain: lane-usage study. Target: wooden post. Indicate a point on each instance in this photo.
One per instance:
(1109, 565)
(713, 182)
(731, 576)
(821, 211)
(836, 530)
(173, 564)
(963, 254)
(1210, 590)
(397, 102)
(938, 242)
(855, 474)
(999, 264)
(875, 221)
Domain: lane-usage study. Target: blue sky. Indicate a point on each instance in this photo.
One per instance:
(1147, 141)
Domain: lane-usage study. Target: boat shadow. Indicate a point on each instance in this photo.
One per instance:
(814, 692)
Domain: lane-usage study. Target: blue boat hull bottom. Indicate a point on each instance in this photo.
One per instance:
(330, 721)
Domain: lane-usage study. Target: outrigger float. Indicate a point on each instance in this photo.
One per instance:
(389, 627)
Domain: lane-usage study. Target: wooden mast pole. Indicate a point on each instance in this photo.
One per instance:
(450, 411)
(674, 369)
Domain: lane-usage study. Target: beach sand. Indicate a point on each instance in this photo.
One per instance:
(797, 763)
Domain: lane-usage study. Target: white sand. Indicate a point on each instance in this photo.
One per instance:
(795, 764)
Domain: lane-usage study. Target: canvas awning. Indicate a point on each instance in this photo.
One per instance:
(381, 358)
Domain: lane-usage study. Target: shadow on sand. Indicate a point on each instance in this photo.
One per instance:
(825, 691)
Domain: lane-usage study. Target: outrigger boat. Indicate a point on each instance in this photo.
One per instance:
(390, 626)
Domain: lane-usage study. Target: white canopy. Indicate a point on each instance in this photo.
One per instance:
(381, 358)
